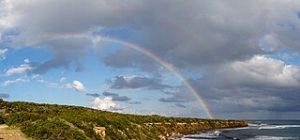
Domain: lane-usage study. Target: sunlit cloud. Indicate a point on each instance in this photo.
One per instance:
(77, 85)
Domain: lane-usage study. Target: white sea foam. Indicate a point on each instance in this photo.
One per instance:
(239, 128)
(259, 126)
(272, 138)
(278, 126)
(255, 124)
(206, 135)
(184, 139)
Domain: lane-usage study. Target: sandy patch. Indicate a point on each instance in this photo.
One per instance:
(7, 133)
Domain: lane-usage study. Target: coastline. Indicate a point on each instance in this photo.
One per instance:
(178, 130)
(258, 129)
(207, 134)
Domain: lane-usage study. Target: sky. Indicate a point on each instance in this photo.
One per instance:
(228, 59)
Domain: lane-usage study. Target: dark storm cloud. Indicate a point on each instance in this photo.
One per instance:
(134, 82)
(185, 33)
(194, 34)
(116, 97)
(259, 85)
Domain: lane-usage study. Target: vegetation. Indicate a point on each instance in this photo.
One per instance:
(57, 122)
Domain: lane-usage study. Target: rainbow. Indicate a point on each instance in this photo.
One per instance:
(97, 38)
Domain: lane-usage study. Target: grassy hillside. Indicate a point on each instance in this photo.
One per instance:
(57, 122)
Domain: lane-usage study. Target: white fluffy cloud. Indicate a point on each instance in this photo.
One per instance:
(19, 70)
(262, 71)
(106, 103)
(77, 85)
(2, 52)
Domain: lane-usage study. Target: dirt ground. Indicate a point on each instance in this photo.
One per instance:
(8, 133)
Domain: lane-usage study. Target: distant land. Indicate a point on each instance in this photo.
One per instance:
(23, 120)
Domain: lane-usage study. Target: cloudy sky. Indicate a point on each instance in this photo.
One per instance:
(140, 56)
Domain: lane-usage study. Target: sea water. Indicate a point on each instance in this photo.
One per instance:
(257, 130)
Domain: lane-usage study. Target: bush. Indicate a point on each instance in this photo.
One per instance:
(17, 118)
(52, 129)
(2, 120)
(57, 122)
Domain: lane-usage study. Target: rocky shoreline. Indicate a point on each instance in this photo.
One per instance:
(175, 130)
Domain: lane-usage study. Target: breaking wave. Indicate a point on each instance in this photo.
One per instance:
(207, 135)
(278, 126)
(272, 138)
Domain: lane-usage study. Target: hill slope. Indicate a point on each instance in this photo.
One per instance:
(58, 122)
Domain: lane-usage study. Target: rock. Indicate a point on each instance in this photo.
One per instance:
(100, 131)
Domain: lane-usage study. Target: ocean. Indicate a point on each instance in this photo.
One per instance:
(257, 130)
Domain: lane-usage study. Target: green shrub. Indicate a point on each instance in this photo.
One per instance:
(2, 120)
(52, 129)
(20, 117)
(58, 122)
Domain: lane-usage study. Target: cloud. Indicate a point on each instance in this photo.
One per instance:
(207, 33)
(260, 83)
(62, 79)
(4, 95)
(116, 97)
(259, 71)
(135, 82)
(67, 52)
(78, 86)
(93, 94)
(180, 95)
(253, 103)
(180, 105)
(133, 60)
(218, 33)
(3, 52)
(23, 68)
(9, 82)
(106, 104)
(228, 40)
(256, 102)
(135, 102)
(55, 85)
